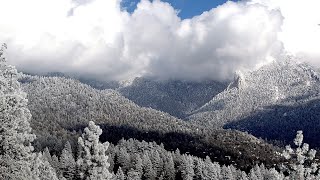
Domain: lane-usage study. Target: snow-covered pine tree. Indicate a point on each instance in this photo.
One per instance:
(42, 169)
(211, 170)
(123, 158)
(92, 159)
(226, 173)
(120, 175)
(133, 175)
(186, 167)
(46, 155)
(169, 167)
(156, 162)
(149, 172)
(138, 164)
(67, 162)
(301, 159)
(56, 164)
(17, 160)
(199, 168)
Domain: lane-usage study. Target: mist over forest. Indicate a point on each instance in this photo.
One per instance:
(161, 89)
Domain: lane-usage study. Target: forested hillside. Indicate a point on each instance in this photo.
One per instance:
(272, 102)
(67, 143)
(62, 107)
(176, 97)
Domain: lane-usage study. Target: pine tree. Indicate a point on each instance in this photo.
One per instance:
(169, 167)
(17, 160)
(138, 164)
(47, 156)
(42, 169)
(56, 164)
(133, 175)
(257, 172)
(199, 168)
(211, 170)
(253, 175)
(227, 173)
(243, 176)
(301, 159)
(123, 159)
(67, 162)
(186, 168)
(273, 174)
(156, 162)
(149, 172)
(92, 160)
(120, 175)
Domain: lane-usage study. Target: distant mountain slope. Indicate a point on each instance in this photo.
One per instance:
(175, 97)
(60, 107)
(283, 94)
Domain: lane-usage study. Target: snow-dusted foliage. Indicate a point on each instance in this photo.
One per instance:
(61, 106)
(176, 97)
(301, 163)
(17, 160)
(280, 83)
(42, 169)
(272, 102)
(67, 162)
(92, 162)
(15, 132)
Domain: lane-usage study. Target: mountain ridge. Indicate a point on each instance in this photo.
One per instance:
(284, 86)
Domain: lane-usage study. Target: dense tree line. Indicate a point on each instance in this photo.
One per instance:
(133, 159)
(61, 107)
(88, 158)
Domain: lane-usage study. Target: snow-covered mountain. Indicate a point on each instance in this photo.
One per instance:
(176, 97)
(62, 107)
(271, 102)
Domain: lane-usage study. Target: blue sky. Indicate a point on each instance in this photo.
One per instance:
(188, 8)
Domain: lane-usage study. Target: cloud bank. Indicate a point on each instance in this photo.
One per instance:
(99, 38)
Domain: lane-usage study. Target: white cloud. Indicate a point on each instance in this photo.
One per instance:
(98, 38)
(300, 31)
